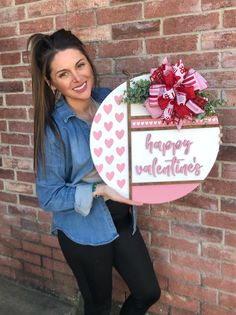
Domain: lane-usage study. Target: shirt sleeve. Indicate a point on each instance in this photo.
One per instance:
(53, 192)
(83, 198)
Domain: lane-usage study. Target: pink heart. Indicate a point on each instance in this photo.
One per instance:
(118, 99)
(120, 133)
(121, 182)
(107, 108)
(109, 159)
(109, 142)
(120, 150)
(97, 118)
(109, 175)
(119, 117)
(97, 134)
(120, 167)
(98, 151)
(108, 125)
(99, 168)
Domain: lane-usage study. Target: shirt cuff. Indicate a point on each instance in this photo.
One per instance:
(83, 199)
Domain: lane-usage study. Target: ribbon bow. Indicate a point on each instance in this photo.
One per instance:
(172, 92)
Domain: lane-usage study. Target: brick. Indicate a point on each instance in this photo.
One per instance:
(173, 243)
(75, 5)
(122, 48)
(56, 266)
(228, 205)
(198, 61)
(12, 14)
(227, 153)
(197, 232)
(148, 223)
(230, 97)
(211, 5)
(49, 240)
(76, 20)
(8, 113)
(136, 30)
(6, 173)
(111, 81)
(215, 171)
(177, 311)
(228, 59)
(5, 3)
(9, 58)
(8, 272)
(174, 213)
(219, 253)
(22, 127)
(180, 302)
(3, 126)
(19, 187)
(45, 8)
(219, 283)
(136, 65)
(25, 177)
(227, 300)
(191, 23)
(173, 271)
(57, 254)
(159, 254)
(13, 44)
(10, 262)
(218, 40)
(22, 152)
(15, 72)
(36, 249)
(154, 9)
(103, 66)
(18, 164)
(29, 281)
(7, 197)
(44, 216)
(194, 292)
(119, 14)
(24, 1)
(91, 49)
(22, 211)
(197, 263)
(15, 138)
(227, 116)
(200, 201)
(229, 270)
(28, 201)
(98, 33)
(25, 235)
(209, 309)
(13, 86)
(25, 256)
(4, 150)
(172, 44)
(219, 187)
(116, 2)
(226, 79)
(8, 30)
(30, 225)
(38, 271)
(229, 18)
(220, 220)
(229, 171)
(39, 25)
(230, 239)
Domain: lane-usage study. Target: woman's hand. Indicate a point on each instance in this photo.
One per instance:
(110, 193)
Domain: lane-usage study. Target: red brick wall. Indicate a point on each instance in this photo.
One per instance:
(192, 241)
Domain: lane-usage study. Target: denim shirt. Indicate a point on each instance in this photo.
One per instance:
(59, 185)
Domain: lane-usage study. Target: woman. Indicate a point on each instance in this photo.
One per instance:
(95, 226)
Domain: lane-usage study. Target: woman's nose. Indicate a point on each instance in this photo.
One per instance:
(76, 77)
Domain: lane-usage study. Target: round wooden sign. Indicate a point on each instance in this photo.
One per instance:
(147, 159)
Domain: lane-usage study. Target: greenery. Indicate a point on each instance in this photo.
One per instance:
(138, 92)
(211, 105)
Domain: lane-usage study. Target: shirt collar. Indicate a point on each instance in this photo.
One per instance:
(64, 109)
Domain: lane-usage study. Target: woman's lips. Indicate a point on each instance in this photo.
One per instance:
(81, 88)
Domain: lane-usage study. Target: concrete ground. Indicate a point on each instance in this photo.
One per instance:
(16, 299)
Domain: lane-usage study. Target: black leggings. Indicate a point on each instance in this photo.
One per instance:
(92, 267)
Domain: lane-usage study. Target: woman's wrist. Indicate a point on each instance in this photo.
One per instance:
(98, 189)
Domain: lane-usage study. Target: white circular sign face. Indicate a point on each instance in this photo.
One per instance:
(145, 158)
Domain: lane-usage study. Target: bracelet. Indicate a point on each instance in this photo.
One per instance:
(94, 187)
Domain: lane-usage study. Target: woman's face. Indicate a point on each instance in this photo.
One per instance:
(72, 75)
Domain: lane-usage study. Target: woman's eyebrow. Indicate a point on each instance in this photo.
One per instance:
(67, 69)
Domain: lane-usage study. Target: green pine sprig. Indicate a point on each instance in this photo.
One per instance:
(138, 92)
(211, 106)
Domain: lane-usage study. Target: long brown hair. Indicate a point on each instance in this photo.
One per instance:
(42, 51)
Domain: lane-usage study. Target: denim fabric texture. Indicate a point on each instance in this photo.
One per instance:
(59, 185)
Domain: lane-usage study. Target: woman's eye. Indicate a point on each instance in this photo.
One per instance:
(63, 74)
(80, 65)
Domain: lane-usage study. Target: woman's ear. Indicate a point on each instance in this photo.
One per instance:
(51, 86)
